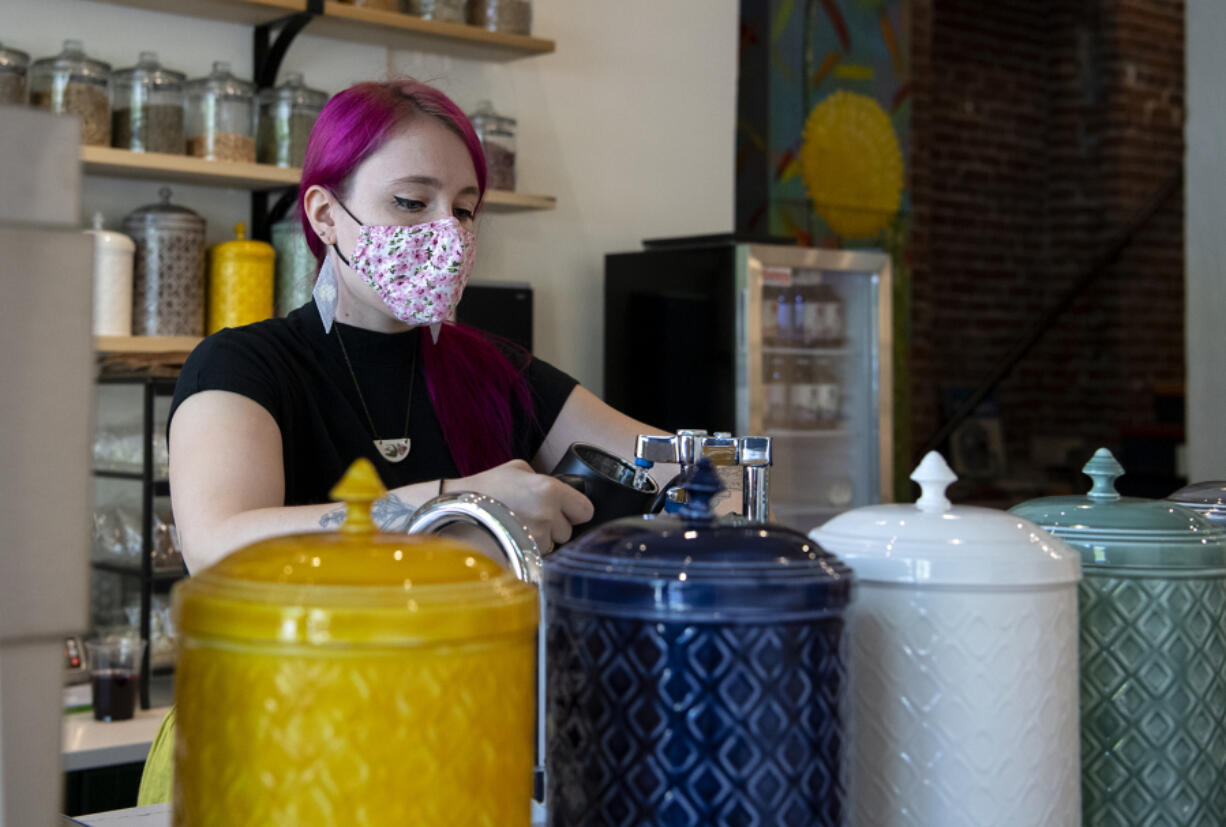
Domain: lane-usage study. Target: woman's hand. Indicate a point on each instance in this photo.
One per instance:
(548, 507)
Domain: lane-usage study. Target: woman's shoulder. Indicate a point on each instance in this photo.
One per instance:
(253, 360)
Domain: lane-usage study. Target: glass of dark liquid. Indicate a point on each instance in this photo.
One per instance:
(114, 668)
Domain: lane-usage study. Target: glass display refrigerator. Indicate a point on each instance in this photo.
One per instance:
(790, 342)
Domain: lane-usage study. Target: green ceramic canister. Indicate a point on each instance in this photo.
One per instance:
(1152, 607)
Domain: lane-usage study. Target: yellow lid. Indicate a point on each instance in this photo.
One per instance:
(354, 586)
(242, 247)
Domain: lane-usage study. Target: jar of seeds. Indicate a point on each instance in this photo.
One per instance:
(220, 116)
(72, 84)
(13, 67)
(449, 11)
(286, 116)
(510, 16)
(147, 115)
(497, 134)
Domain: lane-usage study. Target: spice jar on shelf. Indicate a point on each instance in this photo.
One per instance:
(510, 16)
(220, 115)
(287, 114)
(72, 84)
(380, 5)
(14, 64)
(168, 281)
(497, 134)
(449, 11)
(147, 115)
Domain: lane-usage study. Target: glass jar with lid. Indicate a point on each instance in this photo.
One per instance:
(449, 11)
(14, 64)
(510, 16)
(220, 116)
(147, 112)
(72, 84)
(286, 115)
(497, 134)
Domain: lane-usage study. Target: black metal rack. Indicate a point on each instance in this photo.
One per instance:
(151, 488)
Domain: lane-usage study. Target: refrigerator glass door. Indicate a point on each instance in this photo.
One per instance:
(813, 372)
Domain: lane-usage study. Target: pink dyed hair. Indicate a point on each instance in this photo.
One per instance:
(472, 384)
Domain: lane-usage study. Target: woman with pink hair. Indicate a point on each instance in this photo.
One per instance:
(267, 417)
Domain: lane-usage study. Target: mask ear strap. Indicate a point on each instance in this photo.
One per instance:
(340, 255)
(346, 209)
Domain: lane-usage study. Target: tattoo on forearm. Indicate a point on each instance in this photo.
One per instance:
(390, 514)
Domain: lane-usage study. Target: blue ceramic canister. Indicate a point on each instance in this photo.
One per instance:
(1152, 605)
(695, 673)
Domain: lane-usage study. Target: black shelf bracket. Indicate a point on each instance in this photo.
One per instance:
(270, 42)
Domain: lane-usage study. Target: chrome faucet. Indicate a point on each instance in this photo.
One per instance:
(686, 447)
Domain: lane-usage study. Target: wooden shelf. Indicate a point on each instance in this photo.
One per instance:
(145, 344)
(355, 23)
(404, 31)
(250, 12)
(182, 169)
(504, 201)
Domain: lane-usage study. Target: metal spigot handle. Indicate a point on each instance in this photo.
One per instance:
(523, 555)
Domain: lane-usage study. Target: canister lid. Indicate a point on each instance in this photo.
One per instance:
(13, 60)
(1111, 530)
(296, 93)
(73, 62)
(149, 72)
(695, 567)
(105, 239)
(222, 85)
(934, 543)
(164, 214)
(354, 586)
(1205, 498)
(484, 115)
(241, 247)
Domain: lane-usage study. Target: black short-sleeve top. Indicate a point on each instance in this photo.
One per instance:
(298, 373)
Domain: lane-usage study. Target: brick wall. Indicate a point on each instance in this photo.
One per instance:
(1040, 128)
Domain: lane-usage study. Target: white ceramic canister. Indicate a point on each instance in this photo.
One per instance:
(962, 640)
(113, 259)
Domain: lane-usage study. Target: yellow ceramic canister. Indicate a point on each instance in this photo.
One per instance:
(241, 277)
(354, 678)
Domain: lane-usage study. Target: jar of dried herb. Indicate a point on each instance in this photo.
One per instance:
(497, 134)
(13, 67)
(147, 115)
(286, 116)
(72, 84)
(220, 116)
(510, 16)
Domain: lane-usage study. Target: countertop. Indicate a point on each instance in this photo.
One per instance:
(88, 743)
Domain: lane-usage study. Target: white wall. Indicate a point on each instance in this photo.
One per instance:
(1205, 241)
(630, 124)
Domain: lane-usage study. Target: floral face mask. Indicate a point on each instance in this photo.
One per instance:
(419, 272)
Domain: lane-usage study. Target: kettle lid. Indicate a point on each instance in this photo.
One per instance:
(695, 566)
